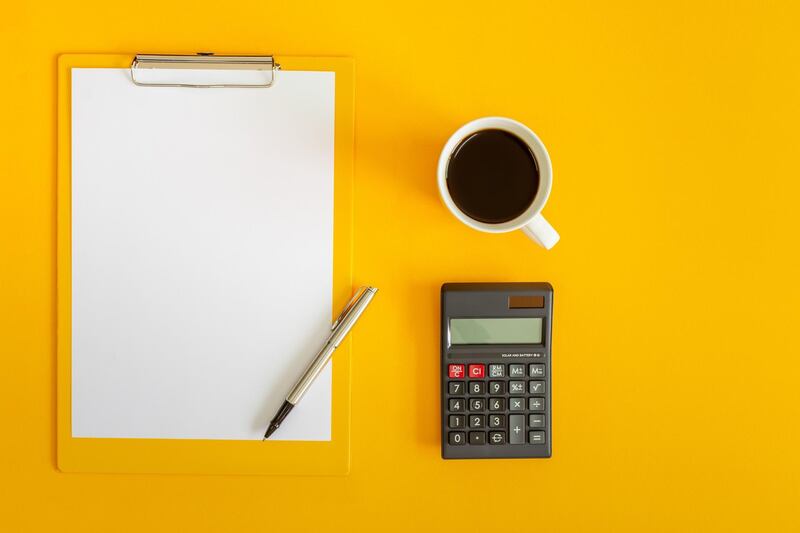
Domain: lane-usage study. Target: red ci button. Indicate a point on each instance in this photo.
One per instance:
(455, 371)
(476, 371)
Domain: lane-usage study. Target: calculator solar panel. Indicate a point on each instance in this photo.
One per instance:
(496, 370)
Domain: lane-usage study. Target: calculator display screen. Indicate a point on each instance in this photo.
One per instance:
(496, 330)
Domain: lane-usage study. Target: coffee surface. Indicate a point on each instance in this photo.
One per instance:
(492, 176)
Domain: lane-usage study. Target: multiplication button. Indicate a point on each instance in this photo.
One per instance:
(516, 404)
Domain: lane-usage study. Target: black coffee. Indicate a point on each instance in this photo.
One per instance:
(492, 176)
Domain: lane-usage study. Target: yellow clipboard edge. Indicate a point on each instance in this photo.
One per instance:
(208, 456)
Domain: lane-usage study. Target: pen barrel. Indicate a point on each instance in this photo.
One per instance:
(341, 328)
(311, 373)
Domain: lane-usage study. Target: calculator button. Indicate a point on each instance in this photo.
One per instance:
(536, 370)
(536, 437)
(516, 371)
(456, 421)
(516, 429)
(497, 421)
(455, 371)
(497, 371)
(497, 437)
(536, 421)
(477, 387)
(536, 387)
(457, 405)
(455, 387)
(536, 404)
(477, 421)
(477, 404)
(516, 387)
(476, 371)
(516, 404)
(477, 438)
(457, 438)
(497, 387)
(497, 404)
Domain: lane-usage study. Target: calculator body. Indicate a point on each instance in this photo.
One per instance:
(496, 371)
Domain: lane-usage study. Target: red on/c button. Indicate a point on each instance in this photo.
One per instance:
(476, 371)
(455, 371)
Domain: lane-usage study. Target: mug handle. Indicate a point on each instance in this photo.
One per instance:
(541, 232)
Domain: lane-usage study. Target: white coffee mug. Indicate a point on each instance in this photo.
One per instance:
(532, 223)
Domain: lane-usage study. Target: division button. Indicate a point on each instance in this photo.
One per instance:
(536, 404)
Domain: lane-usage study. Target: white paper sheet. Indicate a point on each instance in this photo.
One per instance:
(202, 245)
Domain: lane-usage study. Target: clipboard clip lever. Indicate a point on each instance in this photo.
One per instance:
(265, 65)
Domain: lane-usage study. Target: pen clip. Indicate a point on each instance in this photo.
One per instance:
(347, 307)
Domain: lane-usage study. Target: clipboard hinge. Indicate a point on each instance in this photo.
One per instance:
(205, 61)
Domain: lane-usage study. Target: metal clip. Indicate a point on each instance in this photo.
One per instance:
(204, 61)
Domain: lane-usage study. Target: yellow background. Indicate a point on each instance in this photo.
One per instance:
(673, 133)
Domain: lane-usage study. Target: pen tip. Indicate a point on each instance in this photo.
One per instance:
(270, 430)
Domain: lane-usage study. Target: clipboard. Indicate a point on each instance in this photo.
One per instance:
(143, 455)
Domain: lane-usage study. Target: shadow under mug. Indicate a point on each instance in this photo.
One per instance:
(531, 222)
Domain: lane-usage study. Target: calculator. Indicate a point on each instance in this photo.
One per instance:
(496, 370)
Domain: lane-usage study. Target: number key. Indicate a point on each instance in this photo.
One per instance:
(455, 387)
(497, 404)
(497, 387)
(477, 421)
(477, 387)
(477, 404)
(457, 405)
(497, 421)
(455, 421)
(456, 438)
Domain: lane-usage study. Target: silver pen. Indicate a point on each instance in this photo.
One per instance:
(339, 330)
